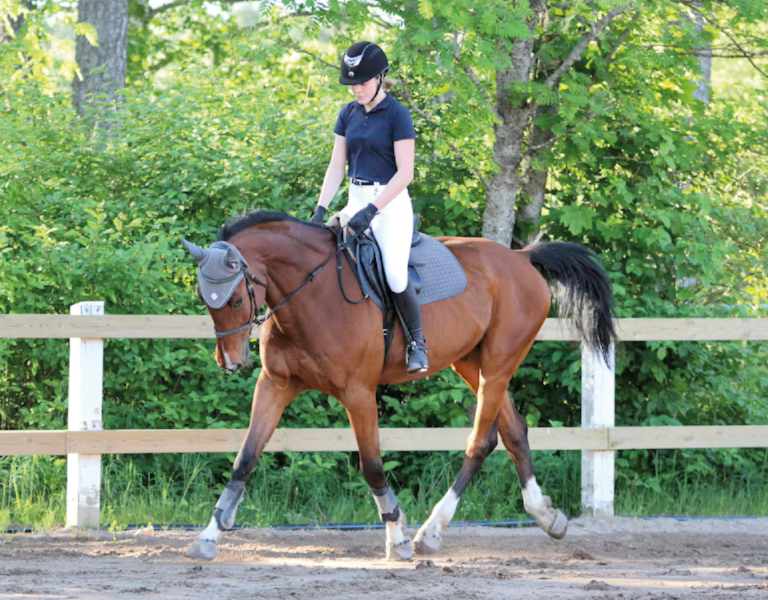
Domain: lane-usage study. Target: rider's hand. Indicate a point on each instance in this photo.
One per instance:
(362, 219)
(318, 215)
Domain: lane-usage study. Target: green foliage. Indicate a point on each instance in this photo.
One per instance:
(311, 489)
(219, 118)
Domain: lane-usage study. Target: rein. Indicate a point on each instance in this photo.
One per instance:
(254, 317)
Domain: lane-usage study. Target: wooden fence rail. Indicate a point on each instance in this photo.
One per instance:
(200, 326)
(153, 441)
(598, 439)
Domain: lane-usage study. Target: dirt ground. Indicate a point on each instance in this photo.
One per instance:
(620, 558)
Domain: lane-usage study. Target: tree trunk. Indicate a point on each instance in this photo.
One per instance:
(501, 193)
(535, 180)
(16, 24)
(102, 66)
(502, 188)
(705, 63)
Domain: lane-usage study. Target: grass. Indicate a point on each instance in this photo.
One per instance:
(328, 488)
(706, 499)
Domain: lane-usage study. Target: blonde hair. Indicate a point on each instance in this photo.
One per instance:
(388, 83)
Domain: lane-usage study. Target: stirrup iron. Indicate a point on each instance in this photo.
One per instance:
(416, 360)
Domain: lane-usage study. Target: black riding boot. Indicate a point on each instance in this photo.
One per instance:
(416, 352)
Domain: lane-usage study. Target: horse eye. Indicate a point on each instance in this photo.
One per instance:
(238, 303)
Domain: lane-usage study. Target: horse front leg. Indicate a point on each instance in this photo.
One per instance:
(364, 419)
(269, 401)
(514, 435)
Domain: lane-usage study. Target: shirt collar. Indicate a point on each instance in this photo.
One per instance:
(383, 105)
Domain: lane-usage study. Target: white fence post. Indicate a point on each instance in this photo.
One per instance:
(598, 409)
(86, 369)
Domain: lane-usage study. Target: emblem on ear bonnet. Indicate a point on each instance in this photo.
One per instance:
(220, 269)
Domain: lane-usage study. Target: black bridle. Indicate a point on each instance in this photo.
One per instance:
(252, 316)
(255, 318)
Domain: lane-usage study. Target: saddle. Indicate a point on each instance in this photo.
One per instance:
(433, 269)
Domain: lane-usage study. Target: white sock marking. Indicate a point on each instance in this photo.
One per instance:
(395, 534)
(533, 500)
(441, 514)
(210, 533)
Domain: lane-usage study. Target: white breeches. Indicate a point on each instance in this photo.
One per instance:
(392, 227)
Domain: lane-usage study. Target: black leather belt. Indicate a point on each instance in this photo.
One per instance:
(355, 181)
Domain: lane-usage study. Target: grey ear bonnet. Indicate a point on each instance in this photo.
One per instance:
(220, 270)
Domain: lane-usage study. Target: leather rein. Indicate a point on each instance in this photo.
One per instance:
(255, 319)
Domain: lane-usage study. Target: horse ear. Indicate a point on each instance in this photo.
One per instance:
(196, 251)
(233, 257)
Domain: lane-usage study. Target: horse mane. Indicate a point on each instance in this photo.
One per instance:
(257, 217)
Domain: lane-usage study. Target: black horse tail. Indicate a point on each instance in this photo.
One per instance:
(581, 288)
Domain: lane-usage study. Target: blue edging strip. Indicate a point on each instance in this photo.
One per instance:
(363, 526)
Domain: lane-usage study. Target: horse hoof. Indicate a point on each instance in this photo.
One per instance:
(401, 551)
(201, 550)
(426, 544)
(559, 526)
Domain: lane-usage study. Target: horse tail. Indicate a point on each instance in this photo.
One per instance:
(581, 288)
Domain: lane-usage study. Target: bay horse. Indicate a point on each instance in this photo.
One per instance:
(314, 339)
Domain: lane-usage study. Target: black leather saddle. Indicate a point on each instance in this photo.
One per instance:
(432, 267)
(366, 253)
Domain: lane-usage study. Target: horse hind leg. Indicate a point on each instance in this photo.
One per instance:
(480, 444)
(429, 536)
(514, 436)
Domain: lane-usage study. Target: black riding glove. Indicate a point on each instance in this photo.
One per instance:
(318, 215)
(362, 219)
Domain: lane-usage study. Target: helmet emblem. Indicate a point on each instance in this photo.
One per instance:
(351, 73)
(353, 61)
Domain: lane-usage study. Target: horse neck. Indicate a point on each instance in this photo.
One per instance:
(289, 251)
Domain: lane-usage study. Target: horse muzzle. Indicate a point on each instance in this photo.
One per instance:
(231, 363)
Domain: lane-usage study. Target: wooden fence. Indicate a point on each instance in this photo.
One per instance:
(598, 439)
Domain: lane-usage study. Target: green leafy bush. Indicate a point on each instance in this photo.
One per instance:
(82, 219)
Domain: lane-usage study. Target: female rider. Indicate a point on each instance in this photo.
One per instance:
(374, 135)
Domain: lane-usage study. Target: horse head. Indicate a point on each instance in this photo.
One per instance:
(226, 286)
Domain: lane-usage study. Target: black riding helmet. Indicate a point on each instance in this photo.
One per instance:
(362, 61)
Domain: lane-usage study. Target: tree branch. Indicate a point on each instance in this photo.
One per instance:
(622, 37)
(726, 33)
(176, 3)
(425, 116)
(576, 51)
(530, 150)
(293, 46)
(479, 85)
(715, 52)
(473, 76)
(377, 18)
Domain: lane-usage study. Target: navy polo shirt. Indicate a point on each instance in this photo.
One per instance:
(371, 137)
